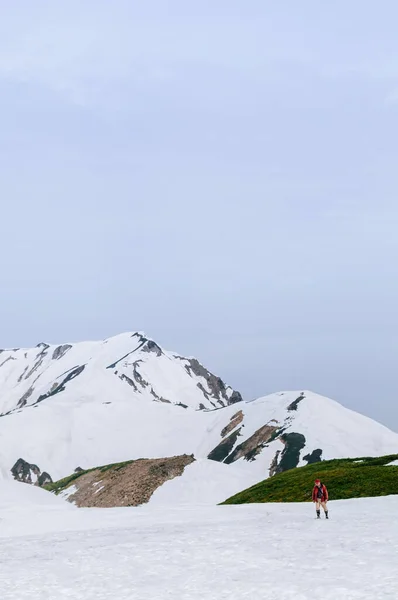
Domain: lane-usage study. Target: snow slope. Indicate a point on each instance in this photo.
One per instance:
(17, 496)
(217, 553)
(125, 398)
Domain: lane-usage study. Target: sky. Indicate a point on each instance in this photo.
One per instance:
(221, 175)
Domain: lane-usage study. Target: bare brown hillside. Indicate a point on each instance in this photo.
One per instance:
(122, 484)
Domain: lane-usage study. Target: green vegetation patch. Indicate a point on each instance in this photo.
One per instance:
(344, 478)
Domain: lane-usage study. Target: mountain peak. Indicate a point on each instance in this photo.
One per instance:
(147, 373)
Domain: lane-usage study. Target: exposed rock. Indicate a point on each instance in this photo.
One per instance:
(138, 377)
(235, 398)
(253, 445)
(43, 345)
(215, 384)
(6, 360)
(57, 388)
(225, 447)
(60, 351)
(151, 346)
(30, 473)
(44, 479)
(23, 374)
(131, 383)
(274, 465)
(295, 403)
(125, 484)
(24, 399)
(234, 422)
(204, 392)
(294, 443)
(142, 341)
(23, 471)
(314, 457)
(161, 399)
(37, 364)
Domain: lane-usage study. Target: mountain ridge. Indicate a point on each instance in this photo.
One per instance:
(127, 398)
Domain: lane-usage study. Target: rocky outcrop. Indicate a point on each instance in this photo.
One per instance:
(314, 457)
(274, 465)
(290, 457)
(217, 387)
(151, 346)
(44, 479)
(295, 403)
(125, 484)
(236, 420)
(253, 445)
(60, 351)
(248, 450)
(235, 397)
(30, 473)
(60, 387)
(23, 400)
(225, 447)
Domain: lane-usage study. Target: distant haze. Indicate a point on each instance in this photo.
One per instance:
(222, 175)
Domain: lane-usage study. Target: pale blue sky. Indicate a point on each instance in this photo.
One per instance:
(222, 175)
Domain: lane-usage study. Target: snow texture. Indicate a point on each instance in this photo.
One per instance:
(195, 553)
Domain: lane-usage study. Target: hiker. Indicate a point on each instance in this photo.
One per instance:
(320, 496)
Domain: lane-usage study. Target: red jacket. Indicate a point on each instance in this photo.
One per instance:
(325, 495)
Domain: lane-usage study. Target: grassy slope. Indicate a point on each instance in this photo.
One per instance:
(344, 478)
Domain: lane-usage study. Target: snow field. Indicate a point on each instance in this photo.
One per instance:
(207, 553)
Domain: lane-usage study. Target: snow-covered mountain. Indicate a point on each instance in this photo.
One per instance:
(95, 403)
(29, 376)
